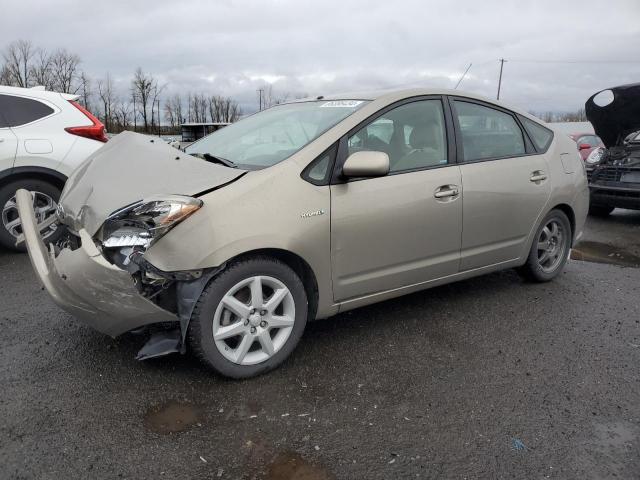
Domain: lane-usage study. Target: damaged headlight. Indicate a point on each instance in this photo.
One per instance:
(143, 223)
(595, 156)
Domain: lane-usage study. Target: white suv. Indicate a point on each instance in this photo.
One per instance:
(44, 136)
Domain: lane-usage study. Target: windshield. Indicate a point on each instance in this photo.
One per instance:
(270, 136)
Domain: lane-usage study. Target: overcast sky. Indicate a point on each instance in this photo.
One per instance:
(318, 47)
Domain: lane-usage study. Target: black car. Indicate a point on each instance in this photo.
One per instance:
(614, 172)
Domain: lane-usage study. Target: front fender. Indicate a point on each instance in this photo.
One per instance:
(260, 211)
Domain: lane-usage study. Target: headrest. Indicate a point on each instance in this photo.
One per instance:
(423, 136)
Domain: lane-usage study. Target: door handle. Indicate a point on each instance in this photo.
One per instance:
(1, 140)
(446, 191)
(538, 176)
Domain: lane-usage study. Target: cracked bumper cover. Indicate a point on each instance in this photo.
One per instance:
(84, 284)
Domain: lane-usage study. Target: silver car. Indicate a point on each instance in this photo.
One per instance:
(303, 211)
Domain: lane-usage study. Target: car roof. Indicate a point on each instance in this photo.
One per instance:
(37, 92)
(393, 95)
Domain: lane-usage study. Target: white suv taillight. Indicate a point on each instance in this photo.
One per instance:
(94, 132)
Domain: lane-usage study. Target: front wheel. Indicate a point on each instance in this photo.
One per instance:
(249, 318)
(45, 197)
(550, 248)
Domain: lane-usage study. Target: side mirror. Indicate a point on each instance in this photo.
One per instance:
(584, 146)
(366, 164)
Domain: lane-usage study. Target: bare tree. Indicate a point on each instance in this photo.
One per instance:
(17, 57)
(189, 107)
(107, 98)
(271, 97)
(85, 91)
(547, 116)
(5, 76)
(122, 114)
(223, 109)
(155, 104)
(198, 106)
(577, 116)
(41, 70)
(64, 70)
(143, 86)
(26, 66)
(173, 111)
(134, 102)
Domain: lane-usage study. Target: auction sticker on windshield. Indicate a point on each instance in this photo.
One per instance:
(342, 103)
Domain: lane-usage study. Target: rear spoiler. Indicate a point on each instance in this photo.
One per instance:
(70, 97)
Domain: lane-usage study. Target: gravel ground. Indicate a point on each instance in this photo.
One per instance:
(486, 378)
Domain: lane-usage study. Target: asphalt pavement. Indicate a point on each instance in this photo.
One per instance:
(487, 378)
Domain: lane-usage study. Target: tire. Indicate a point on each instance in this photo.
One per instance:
(600, 210)
(8, 213)
(545, 266)
(213, 314)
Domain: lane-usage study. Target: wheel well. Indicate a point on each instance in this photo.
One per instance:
(298, 265)
(56, 179)
(568, 211)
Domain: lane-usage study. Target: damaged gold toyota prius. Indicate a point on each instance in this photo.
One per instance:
(302, 211)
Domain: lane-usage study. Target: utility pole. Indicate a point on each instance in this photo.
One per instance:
(260, 90)
(502, 60)
(158, 117)
(135, 113)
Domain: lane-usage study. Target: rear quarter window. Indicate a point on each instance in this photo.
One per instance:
(541, 136)
(16, 111)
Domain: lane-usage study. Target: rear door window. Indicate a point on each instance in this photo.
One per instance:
(487, 132)
(16, 111)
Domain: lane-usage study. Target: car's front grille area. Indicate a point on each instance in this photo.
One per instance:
(609, 173)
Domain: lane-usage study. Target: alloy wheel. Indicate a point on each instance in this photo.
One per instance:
(44, 207)
(551, 246)
(254, 320)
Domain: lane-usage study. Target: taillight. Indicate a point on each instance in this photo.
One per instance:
(94, 132)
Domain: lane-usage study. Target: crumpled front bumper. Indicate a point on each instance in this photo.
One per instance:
(84, 284)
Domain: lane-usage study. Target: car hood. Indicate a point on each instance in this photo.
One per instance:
(613, 122)
(129, 168)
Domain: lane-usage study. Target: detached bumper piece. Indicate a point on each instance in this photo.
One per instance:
(161, 344)
(84, 284)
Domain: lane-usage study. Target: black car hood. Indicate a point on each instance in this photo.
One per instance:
(615, 121)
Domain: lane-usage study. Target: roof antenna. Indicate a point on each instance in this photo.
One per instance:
(463, 75)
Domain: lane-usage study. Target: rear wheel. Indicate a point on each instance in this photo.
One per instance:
(550, 248)
(600, 210)
(249, 318)
(45, 197)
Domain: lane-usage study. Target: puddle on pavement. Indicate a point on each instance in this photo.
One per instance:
(603, 253)
(292, 466)
(614, 435)
(171, 417)
(606, 453)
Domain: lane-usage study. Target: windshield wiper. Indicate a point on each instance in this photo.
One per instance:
(215, 159)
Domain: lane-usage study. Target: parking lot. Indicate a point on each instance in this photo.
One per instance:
(487, 378)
